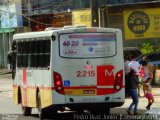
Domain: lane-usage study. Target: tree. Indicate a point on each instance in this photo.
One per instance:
(146, 48)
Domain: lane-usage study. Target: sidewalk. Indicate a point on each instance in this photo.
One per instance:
(6, 83)
(5, 73)
(143, 101)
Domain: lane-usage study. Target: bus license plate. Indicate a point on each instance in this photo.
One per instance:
(88, 91)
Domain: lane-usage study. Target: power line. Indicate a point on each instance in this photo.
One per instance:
(51, 7)
(49, 11)
(28, 18)
(38, 21)
(36, 3)
(42, 6)
(58, 3)
(35, 20)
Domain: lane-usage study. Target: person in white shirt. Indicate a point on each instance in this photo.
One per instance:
(126, 71)
(126, 62)
(134, 65)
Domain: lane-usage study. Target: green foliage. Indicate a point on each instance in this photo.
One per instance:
(157, 48)
(147, 48)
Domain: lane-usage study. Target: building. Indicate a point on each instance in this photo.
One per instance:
(139, 22)
(35, 15)
(11, 21)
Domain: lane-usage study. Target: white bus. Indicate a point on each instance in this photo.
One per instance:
(78, 68)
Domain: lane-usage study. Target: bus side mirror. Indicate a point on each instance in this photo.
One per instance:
(11, 56)
(53, 38)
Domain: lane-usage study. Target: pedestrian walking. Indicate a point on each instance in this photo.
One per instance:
(150, 69)
(126, 70)
(133, 84)
(145, 72)
(134, 65)
(148, 93)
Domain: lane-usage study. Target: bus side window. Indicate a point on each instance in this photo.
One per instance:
(25, 60)
(47, 60)
(42, 61)
(31, 51)
(48, 46)
(36, 59)
(47, 55)
(36, 53)
(20, 60)
(19, 47)
(26, 47)
(31, 60)
(23, 51)
(41, 46)
(23, 47)
(31, 48)
(44, 56)
(37, 47)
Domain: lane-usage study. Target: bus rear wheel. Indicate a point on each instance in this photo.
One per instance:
(26, 110)
(41, 112)
(101, 111)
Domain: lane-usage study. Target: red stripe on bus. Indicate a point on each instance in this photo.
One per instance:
(103, 91)
(81, 87)
(24, 77)
(100, 91)
(24, 88)
(72, 87)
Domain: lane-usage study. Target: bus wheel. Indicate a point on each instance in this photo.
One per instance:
(107, 111)
(41, 111)
(101, 111)
(26, 110)
(80, 111)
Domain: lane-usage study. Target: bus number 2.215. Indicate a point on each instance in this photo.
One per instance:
(84, 73)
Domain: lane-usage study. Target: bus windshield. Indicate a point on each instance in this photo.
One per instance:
(87, 45)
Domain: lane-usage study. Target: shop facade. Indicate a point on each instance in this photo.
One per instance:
(11, 20)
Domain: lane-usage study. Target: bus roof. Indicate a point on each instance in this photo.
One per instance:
(49, 33)
(33, 35)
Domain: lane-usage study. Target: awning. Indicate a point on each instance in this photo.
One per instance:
(6, 30)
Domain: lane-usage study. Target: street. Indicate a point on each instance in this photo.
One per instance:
(9, 110)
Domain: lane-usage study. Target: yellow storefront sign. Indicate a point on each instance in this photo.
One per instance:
(81, 17)
(142, 23)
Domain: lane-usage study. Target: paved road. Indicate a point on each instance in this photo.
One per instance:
(9, 110)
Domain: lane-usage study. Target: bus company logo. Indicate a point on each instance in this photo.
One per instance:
(108, 73)
(138, 22)
(90, 49)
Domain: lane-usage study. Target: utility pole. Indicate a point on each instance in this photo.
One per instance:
(104, 16)
(94, 13)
